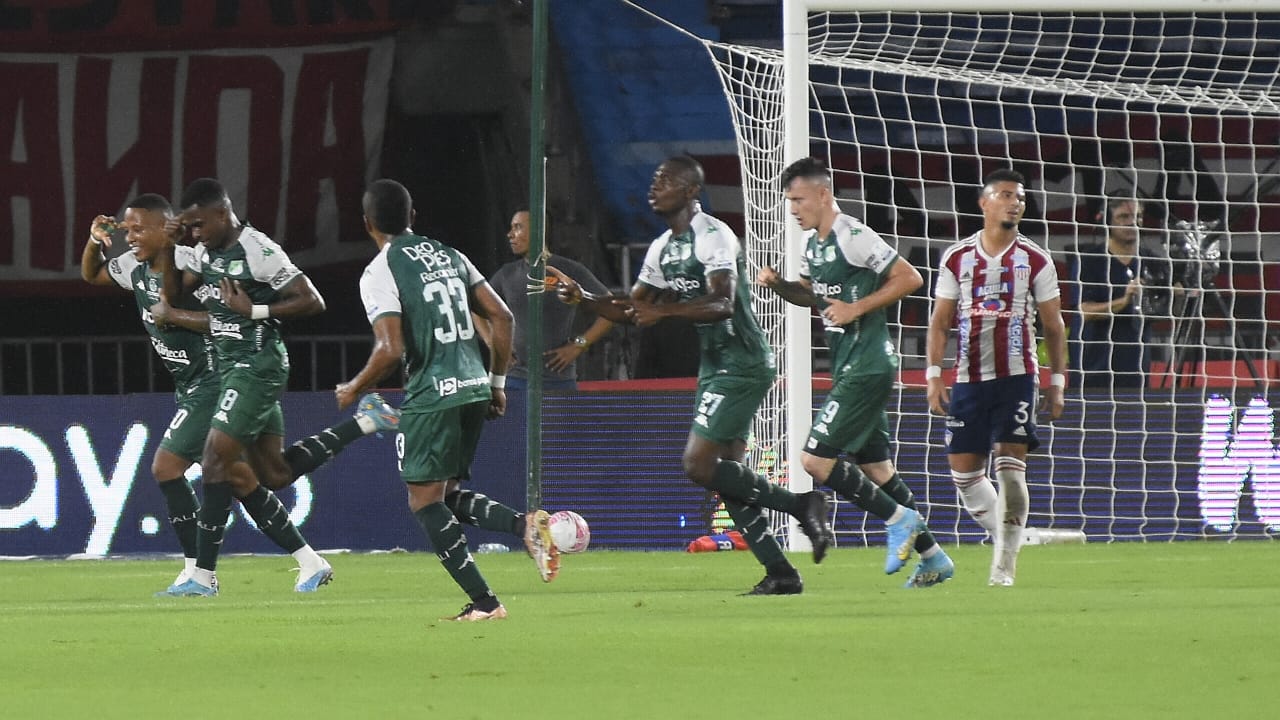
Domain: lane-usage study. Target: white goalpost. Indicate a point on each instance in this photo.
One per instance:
(1173, 104)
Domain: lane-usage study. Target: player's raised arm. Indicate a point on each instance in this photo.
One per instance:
(93, 263)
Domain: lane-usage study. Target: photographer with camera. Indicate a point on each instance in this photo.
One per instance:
(1109, 330)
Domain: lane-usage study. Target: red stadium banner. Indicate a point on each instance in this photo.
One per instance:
(293, 134)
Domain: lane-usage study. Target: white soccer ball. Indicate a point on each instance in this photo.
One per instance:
(570, 532)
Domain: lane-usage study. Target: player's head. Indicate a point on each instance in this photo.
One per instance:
(676, 185)
(144, 218)
(1004, 198)
(206, 212)
(809, 190)
(388, 209)
(1123, 218)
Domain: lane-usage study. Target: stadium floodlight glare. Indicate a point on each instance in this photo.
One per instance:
(1175, 102)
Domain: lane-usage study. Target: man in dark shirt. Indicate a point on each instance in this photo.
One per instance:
(1108, 331)
(511, 282)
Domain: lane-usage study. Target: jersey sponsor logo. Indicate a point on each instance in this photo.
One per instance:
(995, 288)
(451, 385)
(205, 293)
(447, 386)
(822, 289)
(222, 328)
(993, 304)
(1015, 338)
(684, 284)
(169, 354)
(955, 422)
(980, 311)
(280, 278)
(218, 264)
(428, 255)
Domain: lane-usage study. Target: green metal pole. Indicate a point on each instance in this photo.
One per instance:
(537, 265)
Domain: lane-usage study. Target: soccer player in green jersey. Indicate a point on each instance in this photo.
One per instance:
(850, 275)
(419, 296)
(695, 270)
(246, 283)
(180, 338)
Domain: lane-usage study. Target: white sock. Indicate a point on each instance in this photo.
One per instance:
(308, 560)
(1014, 502)
(978, 495)
(202, 576)
(366, 424)
(189, 565)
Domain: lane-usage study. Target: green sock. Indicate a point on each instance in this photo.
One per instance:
(212, 524)
(183, 510)
(484, 512)
(450, 544)
(897, 489)
(754, 526)
(857, 488)
(735, 480)
(310, 453)
(272, 519)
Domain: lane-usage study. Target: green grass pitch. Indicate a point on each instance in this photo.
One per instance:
(1184, 630)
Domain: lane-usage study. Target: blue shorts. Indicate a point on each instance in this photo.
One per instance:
(993, 411)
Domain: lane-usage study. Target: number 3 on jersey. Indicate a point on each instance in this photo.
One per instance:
(450, 298)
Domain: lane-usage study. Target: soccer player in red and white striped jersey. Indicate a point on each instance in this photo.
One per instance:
(991, 286)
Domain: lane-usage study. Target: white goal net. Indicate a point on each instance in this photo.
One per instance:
(1176, 113)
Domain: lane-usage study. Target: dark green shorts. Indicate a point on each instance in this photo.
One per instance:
(439, 446)
(249, 403)
(189, 427)
(726, 404)
(853, 418)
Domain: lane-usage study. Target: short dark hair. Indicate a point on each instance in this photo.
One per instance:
(810, 168)
(690, 169)
(1114, 200)
(388, 206)
(151, 201)
(205, 192)
(1004, 175)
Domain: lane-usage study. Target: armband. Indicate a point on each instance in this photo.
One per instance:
(260, 312)
(498, 382)
(1058, 380)
(931, 372)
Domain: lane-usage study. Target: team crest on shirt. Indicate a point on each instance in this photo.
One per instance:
(1021, 265)
(829, 253)
(993, 304)
(236, 267)
(676, 253)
